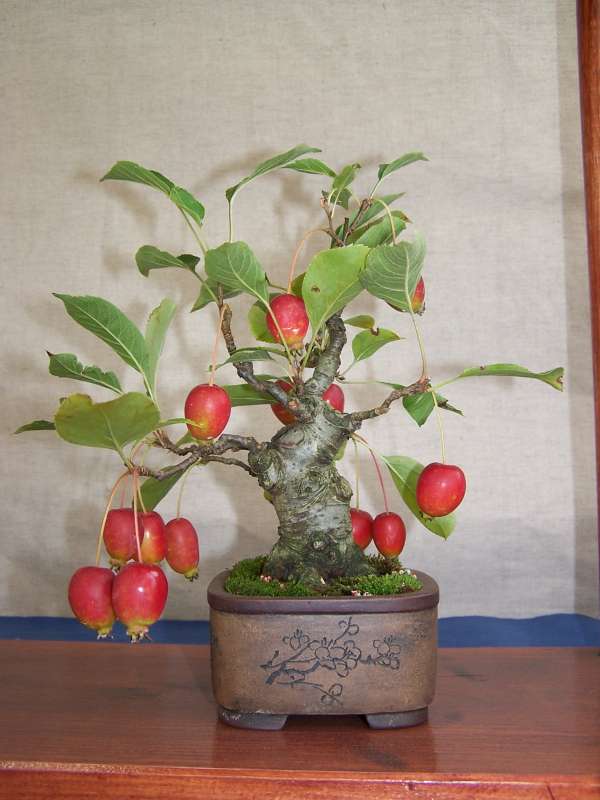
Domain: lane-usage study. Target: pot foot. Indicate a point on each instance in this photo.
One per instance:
(400, 719)
(257, 722)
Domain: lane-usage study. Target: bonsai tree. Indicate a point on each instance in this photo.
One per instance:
(301, 332)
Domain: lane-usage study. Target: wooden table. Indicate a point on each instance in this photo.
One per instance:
(122, 721)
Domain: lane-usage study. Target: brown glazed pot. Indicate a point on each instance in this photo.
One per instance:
(274, 656)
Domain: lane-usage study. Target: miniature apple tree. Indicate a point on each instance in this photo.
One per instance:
(301, 332)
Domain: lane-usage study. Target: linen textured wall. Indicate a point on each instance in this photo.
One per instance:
(202, 91)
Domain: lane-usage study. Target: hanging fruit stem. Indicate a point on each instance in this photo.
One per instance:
(357, 438)
(307, 235)
(356, 472)
(180, 495)
(213, 360)
(105, 517)
(136, 489)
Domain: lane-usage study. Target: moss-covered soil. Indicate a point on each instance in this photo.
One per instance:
(388, 577)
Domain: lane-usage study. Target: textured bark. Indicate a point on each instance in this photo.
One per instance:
(310, 497)
(297, 467)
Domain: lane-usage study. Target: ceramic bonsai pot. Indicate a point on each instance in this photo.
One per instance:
(373, 656)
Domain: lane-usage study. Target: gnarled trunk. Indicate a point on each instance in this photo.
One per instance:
(311, 499)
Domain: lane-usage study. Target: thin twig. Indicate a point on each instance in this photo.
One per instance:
(420, 386)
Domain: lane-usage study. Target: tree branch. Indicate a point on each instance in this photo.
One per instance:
(221, 445)
(419, 387)
(245, 369)
(329, 361)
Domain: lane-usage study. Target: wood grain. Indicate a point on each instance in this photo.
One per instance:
(87, 720)
(588, 25)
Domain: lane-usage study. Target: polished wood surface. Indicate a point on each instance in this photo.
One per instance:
(122, 721)
(588, 24)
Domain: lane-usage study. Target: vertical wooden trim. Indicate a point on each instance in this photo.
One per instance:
(588, 27)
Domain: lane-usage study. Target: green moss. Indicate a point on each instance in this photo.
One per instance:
(388, 577)
(245, 579)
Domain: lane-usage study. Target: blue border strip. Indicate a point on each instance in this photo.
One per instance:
(553, 630)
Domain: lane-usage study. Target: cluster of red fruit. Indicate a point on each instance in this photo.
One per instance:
(209, 406)
(137, 594)
(440, 489)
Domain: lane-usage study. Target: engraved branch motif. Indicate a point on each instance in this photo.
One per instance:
(340, 655)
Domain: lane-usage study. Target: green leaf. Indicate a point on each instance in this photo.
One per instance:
(188, 203)
(405, 474)
(236, 267)
(420, 406)
(297, 284)
(345, 177)
(67, 365)
(379, 231)
(331, 282)
(367, 342)
(108, 323)
(111, 425)
(312, 166)
(276, 162)
(153, 491)
(130, 171)
(208, 293)
(553, 377)
(393, 271)
(149, 257)
(156, 331)
(403, 161)
(257, 321)
(372, 211)
(37, 425)
(241, 394)
(361, 321)
(252, 354)
(338, 198)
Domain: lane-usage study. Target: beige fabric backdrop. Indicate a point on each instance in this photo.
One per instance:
(202, 91)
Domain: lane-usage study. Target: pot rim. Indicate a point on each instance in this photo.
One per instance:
(220, 600)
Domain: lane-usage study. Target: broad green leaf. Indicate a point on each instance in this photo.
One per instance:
(130, 171)
(252, 354)
(553, 377)
(188, 203)
(367, 342)
(236, 267)
(208, 294)
(111, 425)
(37, 425)
(420, 406)
(149, 257)
(379, 231)
(156, 331)
(67, 365)
(312, 166)
(405, 474)
(361, 321)
(345, 177)
(276, 162)
(241, 394)
(331, 282)
(393, 271)
(153, 491)
(257, 322)
(403, 161)
(108, 323)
